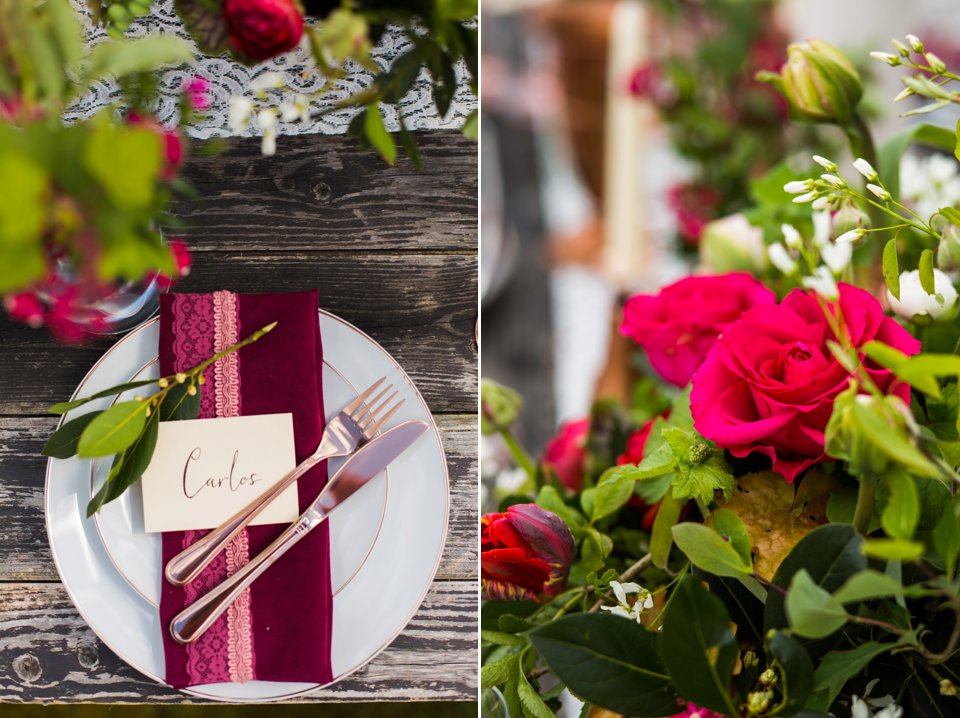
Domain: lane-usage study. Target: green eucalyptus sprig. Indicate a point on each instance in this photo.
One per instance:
(128, 429)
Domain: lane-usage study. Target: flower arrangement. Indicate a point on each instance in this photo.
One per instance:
(727, 125)
(339, 36)
(82, 202)
(772, 526)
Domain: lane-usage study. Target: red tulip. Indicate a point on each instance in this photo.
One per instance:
(525, 553)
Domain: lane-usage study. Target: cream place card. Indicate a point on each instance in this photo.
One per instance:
(205, 470)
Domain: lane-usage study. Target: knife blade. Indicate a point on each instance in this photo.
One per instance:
(362, 466)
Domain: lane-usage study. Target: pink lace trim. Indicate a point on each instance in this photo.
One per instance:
(205, 324)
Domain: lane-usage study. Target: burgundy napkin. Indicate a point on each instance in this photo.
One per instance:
(280, 628)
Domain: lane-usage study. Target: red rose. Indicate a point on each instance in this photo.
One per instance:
(261, 29)
(678, 326)
(769, 383)
(566, 452)
(525, 553)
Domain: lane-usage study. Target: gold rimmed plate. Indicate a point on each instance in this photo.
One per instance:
(410, 527)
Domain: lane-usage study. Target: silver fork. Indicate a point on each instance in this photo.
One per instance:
(356, 423)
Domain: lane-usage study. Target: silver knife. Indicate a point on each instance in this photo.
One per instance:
(368, 461)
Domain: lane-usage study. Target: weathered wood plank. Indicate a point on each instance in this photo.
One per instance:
(25, 553)
(48, 654)
(323, 193)
(421, 308)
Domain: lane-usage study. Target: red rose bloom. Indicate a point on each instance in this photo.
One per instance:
(261, 29)
(566, 452)
(525, 553)
(678, 326)
(769, 383)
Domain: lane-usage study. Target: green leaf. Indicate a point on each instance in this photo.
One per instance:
(946, 535)
(900, 364)
(731, 528)
(409, 144)
(661, 536)
(178, 404)
(499, 638)
(65, 406)
(595, 549)
(842, 505)
(533, 705)
(837, 667)
(796, 670)
(498, 672)
(926, 272)
(887, 440)
(810, 610)
(656, 463)
(679, 440)
(866, 586)
(126, 162)
(24, 183)
(698, 646)
(144, 54)
(893, 549)
(830, 554)
(62, 444)
(377, 135)
(133, 463)
(902, 512)
(891, 267)
(471, 126)
(700, 481)
(113, 430)
(613, 490)
(708, 551)
(608, 661)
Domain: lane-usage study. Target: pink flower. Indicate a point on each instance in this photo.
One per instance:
(678, 326)
(525, 553)
(692, 711)
(196, 90)
(769, 383)
(25, 307)
(566, 452)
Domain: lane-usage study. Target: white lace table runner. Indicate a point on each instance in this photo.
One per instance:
(228, 78)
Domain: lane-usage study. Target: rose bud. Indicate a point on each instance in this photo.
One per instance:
(261, 29)
(525, 553)
(915, 303)
(819, 82)
(732, 244)
(566, 453)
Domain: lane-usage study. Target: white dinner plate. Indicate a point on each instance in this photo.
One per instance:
(385, 541)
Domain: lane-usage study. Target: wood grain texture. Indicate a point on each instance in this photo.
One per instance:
(420, 308)
(392, 251)
(324, 193)
(49, 654)
(25, 553)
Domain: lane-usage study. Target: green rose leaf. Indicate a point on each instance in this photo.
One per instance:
(608, 661)
(902, 512)
(865, 586)
(612, 491)
(837, 667)
(731, 528)
(698, 646)
(708, 551)
(893, 549)
(595, 549)
(796, 670)
(809, 609)
(830, 554)
(113, 430)
(63, 443)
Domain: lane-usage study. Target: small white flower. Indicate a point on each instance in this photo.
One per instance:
(879, 191)
(797, 186)
(866, 169)
(914, 300)
(892, 60)
(915, 43)
(821, 203)
(822, 229)
(299, 109)
(238, 117)
(266, 81)
(851, 236)
(837, 257)
(904, 94)
(781, 259)
(643, 602)
(825, 163)
(804, 198)
(832, 179)
(823, 283)
(267, 120)
(791, 237)
(936, 64)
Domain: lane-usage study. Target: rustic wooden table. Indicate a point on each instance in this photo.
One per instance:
(394, 251)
